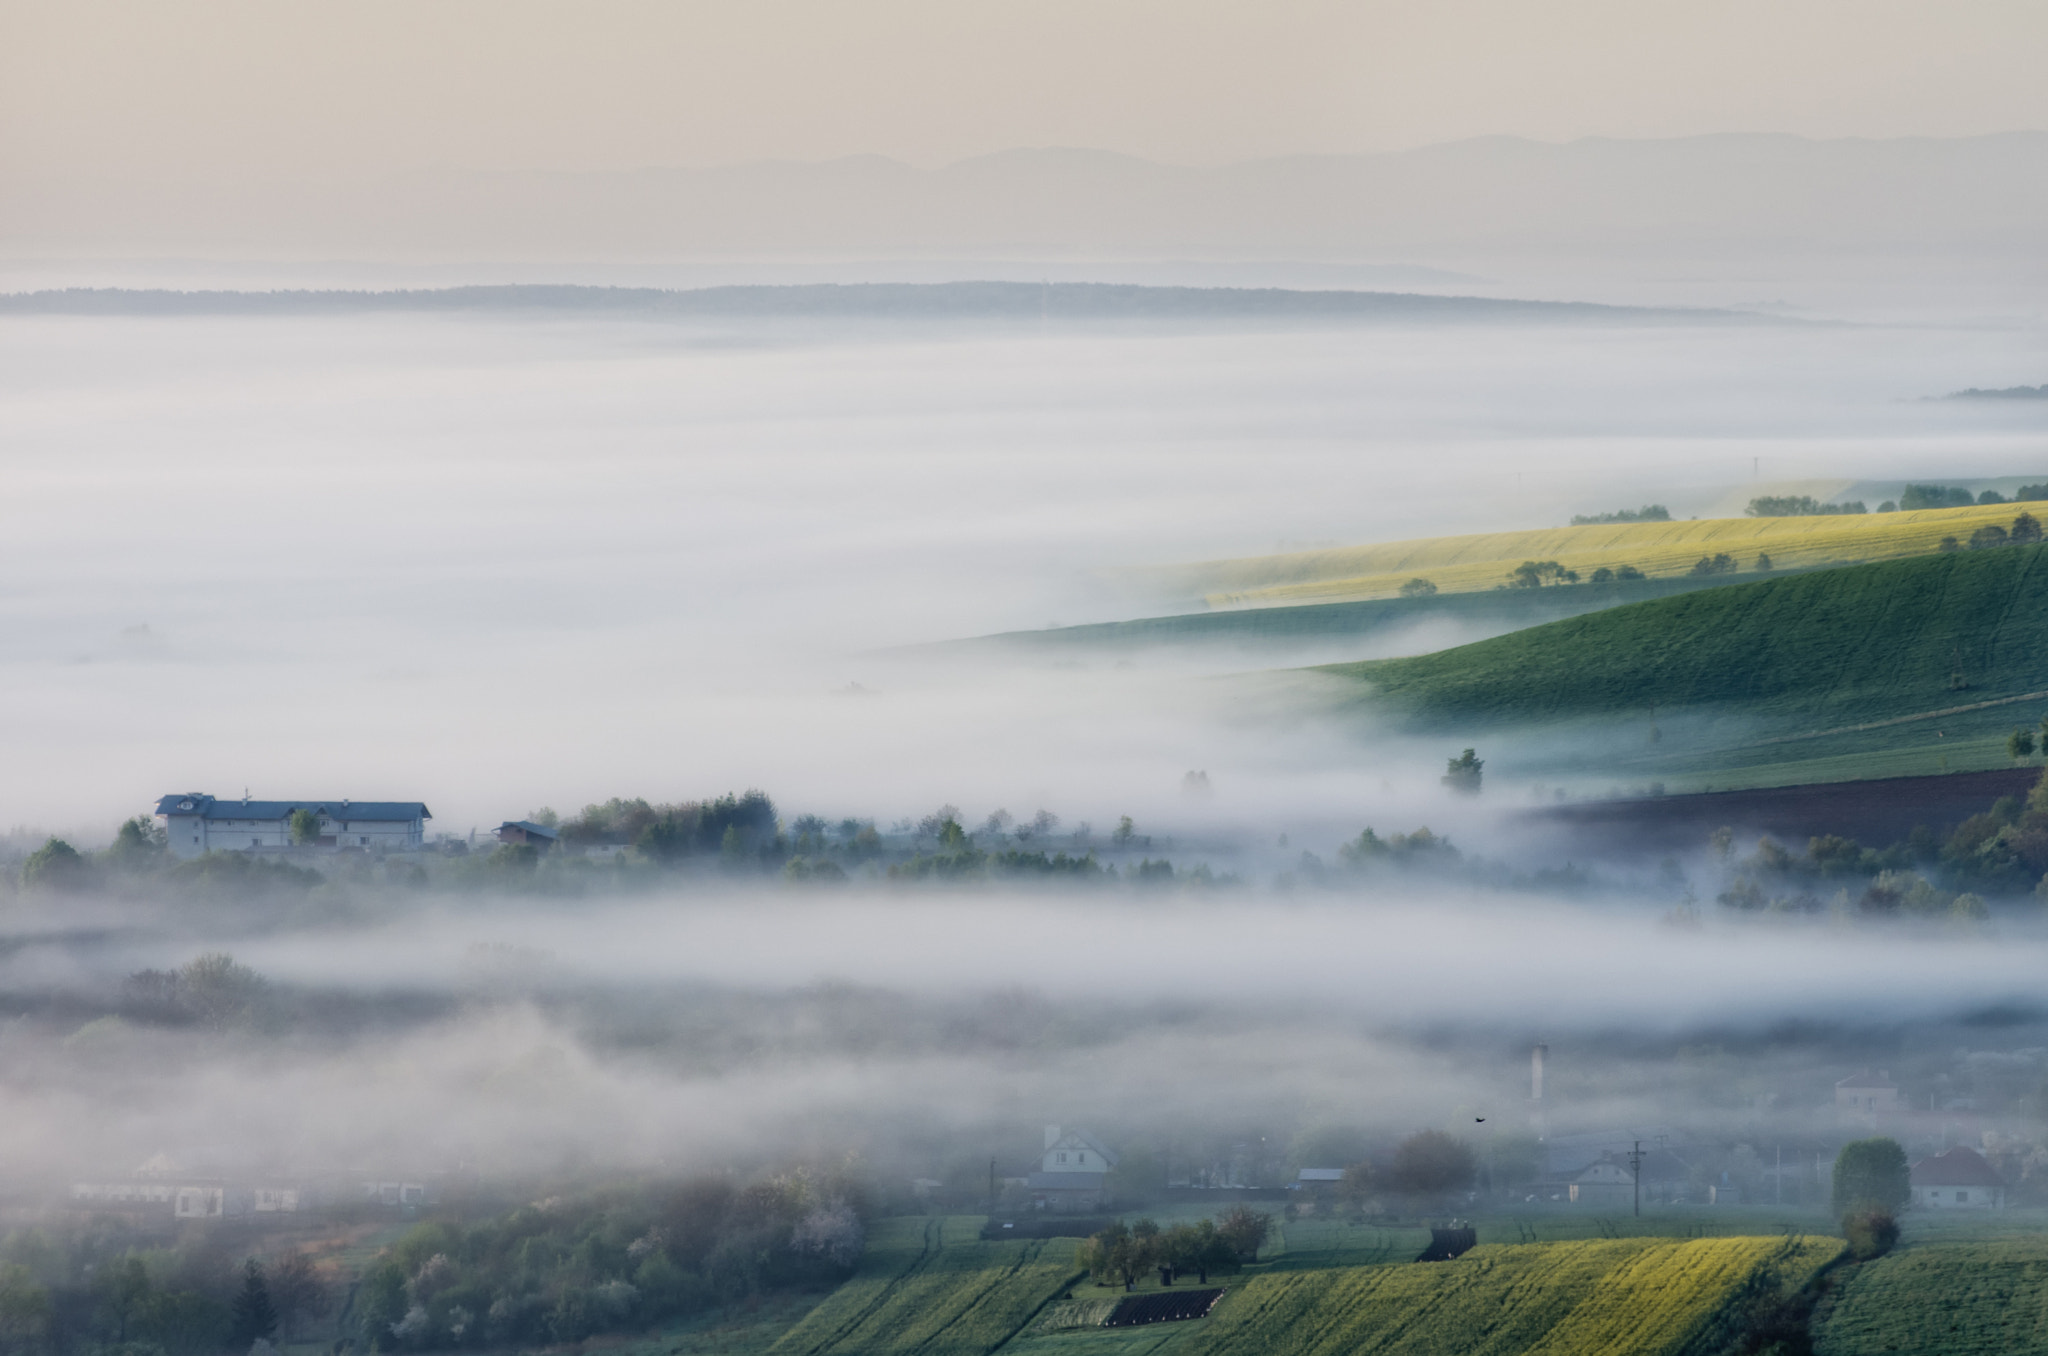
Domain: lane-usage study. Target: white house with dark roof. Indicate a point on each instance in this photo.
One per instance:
(1871, 1092)
(1960, 1179)
(1071, 1171)
(196, 824)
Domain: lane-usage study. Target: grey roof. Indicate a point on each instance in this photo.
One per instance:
(531, 829)
(202, 806)
(1320, 1175)
(1064, 1181)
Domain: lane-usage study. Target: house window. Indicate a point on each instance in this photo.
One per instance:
(1063, 1158)
(1962, 1196)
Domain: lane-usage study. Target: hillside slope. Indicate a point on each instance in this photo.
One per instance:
(1481, 561)
(1830, 648)
(1624, 1297)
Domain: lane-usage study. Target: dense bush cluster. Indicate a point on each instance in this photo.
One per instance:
(1648, 513)
(561, 1271)
(2003, 851)
(1799, 506)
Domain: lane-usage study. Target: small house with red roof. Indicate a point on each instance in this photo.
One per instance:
(1959, 1179)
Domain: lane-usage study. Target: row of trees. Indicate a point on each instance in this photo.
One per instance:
(1799, 506)
(155, 1302)
(560, 1271)
(1648, 513)
(1121, 1253)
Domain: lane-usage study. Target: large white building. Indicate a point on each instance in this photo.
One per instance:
(198, 824)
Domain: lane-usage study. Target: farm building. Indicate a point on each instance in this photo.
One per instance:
(1871, 1092)
(526, 833)
(1610, 1182)
(1959, 1179)
(1318, 1179)
(1072, 1171)
(198, 824)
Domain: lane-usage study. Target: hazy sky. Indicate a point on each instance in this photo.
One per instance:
(230, 90)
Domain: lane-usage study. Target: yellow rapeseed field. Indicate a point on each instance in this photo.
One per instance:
(1482, 561)
(1622, 1297)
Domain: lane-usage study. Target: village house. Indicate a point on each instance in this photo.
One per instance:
(1072, 1171)
(1871, 1092)
(1959, 1179)
(526, 833)
(196, 824)
(1610, 1182)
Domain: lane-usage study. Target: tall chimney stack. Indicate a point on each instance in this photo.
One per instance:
(1536, 1055)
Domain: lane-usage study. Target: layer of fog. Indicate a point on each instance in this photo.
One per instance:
(499, 565)
(713, 1029)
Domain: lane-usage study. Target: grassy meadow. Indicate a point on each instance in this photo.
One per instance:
(1887, 662)
(1480, 562)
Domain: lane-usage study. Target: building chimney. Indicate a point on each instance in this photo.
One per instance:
(1536, 1055)
(1052, 1135)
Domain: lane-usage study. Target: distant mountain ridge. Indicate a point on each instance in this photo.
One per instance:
(1752, 191)
(939, 301)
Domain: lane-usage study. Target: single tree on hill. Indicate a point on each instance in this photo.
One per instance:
(2025, 530)
(1718, 563)
(2020, 746)
(1871, 1174)
(1462, 773)
(1948, 544)
(1431, 1164)
(1763, 563)
(1245, 1230)
(56, 865)
(1418, 587)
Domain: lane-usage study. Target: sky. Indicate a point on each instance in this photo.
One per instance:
(243, 92)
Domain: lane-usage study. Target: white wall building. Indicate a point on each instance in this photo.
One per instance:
(1960, 1179)
(198, 824)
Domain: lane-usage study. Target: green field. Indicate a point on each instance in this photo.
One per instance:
(933, 1287)
(1955, 1298)
(1266, 628)
(1774, 672)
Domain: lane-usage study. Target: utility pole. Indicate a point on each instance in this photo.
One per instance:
(1778, 1179)
(991, 1186)
(1635, 1169)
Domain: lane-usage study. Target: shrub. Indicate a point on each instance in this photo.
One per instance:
(2025, 530)
(1871, 1233)
(1417, 588)
(1719, 563)
(1763, 563)
(1949, 544)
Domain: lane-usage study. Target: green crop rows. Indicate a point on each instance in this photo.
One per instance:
(932, 1287)
(1957, 1299)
